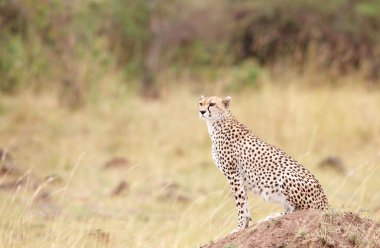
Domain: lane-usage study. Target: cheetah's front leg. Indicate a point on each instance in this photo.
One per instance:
(240, 194)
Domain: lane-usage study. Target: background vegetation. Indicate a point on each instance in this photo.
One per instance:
(73, 45)
(98, 112)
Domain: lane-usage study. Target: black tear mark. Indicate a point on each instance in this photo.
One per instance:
(208, 108)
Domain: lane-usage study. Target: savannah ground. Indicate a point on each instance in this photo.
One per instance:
(174, 196)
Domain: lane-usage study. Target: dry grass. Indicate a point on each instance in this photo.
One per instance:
(175, 197)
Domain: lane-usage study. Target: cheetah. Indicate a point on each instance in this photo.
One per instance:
(251, 164)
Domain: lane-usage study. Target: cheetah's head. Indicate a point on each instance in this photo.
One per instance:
(213, 108)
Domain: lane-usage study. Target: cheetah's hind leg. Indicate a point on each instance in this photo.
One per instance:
(272, 216)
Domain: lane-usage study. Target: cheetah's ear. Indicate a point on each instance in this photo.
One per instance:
(202, 96)
(227, 101)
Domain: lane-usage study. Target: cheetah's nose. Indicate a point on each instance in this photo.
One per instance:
(202, 112)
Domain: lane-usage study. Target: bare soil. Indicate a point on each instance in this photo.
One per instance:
(307, 228)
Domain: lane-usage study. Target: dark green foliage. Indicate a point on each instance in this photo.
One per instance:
(128, 31)
(245, 76)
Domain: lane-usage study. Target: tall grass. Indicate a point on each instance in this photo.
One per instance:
(176, 197)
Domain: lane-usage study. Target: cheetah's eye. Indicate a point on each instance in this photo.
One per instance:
(212, 104)
(200, 104)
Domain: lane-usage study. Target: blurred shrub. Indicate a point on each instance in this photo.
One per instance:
(74, 43)
(345, 33)
(186, 33)
(127, 27)
(245, 75)
(12, 62)
(51, 44)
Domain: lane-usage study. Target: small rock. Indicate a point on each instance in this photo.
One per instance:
(99, 235)
(120, 189)
(117, 162)
(179, 152)
(334, 162)
(7, 166)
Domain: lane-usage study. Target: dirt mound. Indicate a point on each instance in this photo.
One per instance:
(307, 228)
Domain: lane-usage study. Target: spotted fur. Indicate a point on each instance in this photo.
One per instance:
(251, 164)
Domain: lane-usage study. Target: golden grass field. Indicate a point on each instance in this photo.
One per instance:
(175, 196)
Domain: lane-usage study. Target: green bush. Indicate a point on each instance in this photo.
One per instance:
(245, 76)
(13, 60)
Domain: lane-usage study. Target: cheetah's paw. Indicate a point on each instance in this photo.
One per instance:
(271, 217)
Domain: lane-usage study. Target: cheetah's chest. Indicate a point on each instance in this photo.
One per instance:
(222, 153)
(216, 156)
